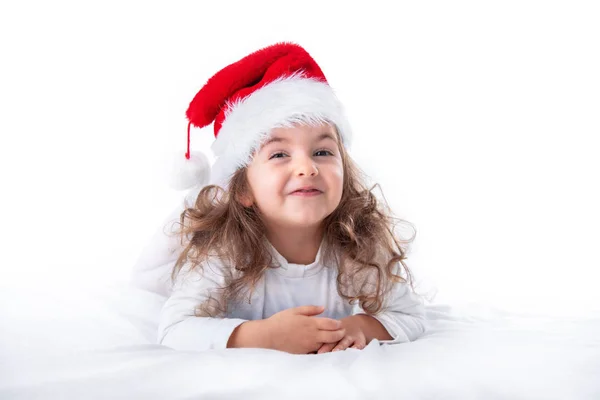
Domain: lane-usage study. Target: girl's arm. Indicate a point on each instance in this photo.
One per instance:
(293, 330)
(179, 328)
(401, 320)
(403, 316)
(370, 327)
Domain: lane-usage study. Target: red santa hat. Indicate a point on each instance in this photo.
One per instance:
(273, 87)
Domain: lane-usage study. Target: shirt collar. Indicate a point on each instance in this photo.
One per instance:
(297, 270)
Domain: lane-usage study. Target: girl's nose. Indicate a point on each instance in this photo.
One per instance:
(306, 167)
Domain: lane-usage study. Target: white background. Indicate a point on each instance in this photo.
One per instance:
(479, 120)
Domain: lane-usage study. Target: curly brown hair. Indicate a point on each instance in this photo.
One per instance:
(360, 239)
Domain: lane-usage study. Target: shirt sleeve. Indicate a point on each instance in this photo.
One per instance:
(403, 315)
(179, 328)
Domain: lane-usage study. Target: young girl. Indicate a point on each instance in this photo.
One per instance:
(285, 248)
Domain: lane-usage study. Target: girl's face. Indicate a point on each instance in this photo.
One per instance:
(296, 177)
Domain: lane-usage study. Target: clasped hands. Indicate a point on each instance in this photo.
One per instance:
(299, 330)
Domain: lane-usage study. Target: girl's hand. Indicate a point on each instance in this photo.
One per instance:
(298, 331)
(354, 338)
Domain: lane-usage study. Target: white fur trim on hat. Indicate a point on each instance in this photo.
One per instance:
(281, 103)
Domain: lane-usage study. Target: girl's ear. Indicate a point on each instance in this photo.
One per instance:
(246, 199)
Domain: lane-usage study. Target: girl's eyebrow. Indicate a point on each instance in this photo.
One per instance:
(322, 136)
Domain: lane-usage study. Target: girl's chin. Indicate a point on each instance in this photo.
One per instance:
(302, 223)
(299, 219)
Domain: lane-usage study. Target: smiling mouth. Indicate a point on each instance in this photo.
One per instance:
(310, 192)
(307, 190)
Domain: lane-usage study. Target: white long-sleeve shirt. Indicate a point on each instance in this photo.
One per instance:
(290, 285)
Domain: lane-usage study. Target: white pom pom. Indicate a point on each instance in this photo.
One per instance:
(185, 173)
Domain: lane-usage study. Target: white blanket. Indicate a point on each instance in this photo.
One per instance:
(100, 344)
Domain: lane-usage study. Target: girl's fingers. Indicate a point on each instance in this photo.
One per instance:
(344, 343)
(328, 324)
(358, 345)
(308, 310)
(326, 348)
(330, 336)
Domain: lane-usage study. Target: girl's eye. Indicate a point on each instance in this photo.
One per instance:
(276, 155)
(317, 153)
